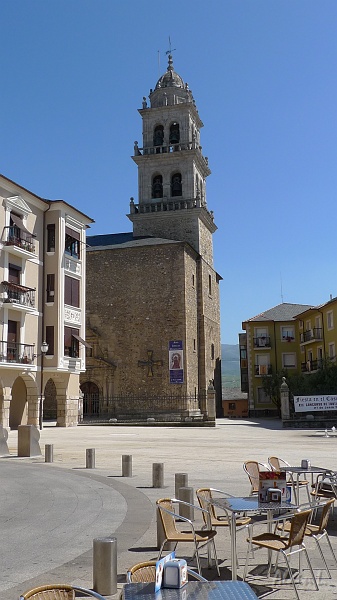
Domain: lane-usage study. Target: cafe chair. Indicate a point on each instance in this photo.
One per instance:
(252, 468)
(205, 495)
(325, 487)
(58, 591)
(145, 572)
(199, 537)
(317, 532)
(286, 546)
(277, 463)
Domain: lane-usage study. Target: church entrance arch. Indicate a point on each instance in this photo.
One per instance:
(18, 412)
(90, 399)
(50, 402)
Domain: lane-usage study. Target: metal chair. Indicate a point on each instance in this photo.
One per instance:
(58, 591)
(252, 468)
(204, 496)
(198, 537)
(277, 463)
(145, 572)
(317, 532)
(287, 546)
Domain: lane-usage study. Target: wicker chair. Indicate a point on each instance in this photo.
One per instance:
(317, 532)
(58, 591)
(277, 463)
(199, 537)
(252, 468)
(145, 572)
(287, 546)
(204, 496)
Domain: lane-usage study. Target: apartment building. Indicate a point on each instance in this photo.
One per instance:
(272, 342)
(318, 335)
(42, 307)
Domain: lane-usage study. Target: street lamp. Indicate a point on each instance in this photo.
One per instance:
(44, 350)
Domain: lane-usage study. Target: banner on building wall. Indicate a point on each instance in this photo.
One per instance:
(176, 361)
(311, 403)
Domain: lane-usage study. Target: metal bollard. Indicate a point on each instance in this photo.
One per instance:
(158, 475)
(180, 480)
(105, 566)
(48, 453)
(187, 495)
(90, 458)
(126, 465)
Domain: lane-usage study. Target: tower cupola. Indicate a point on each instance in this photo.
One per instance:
(170, 89)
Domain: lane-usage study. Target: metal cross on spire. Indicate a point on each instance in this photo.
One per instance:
(170, 50)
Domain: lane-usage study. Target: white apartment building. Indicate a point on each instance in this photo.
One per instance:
(42, 308)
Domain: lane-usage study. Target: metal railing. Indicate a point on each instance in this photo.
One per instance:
(263, 369)
(142, 407)
(311, 334)
(13, 352)
(262, 342)
(14, 295)
(13, 236)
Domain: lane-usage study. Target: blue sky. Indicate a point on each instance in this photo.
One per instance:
(263, 74)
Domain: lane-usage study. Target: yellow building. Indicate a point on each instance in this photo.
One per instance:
(42, 307)
(271, 343)
(317, 327)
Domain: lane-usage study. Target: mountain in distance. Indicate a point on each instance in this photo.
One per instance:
(230, 366)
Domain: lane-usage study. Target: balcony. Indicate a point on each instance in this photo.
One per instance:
(13, 352)
(311, 365)
(19, 294)
(14, 236)
(263, 370)
(262, 341)
(311, 335)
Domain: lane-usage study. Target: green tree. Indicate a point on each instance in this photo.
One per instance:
(272, 387)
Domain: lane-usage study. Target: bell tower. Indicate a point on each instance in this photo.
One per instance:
(172, 170)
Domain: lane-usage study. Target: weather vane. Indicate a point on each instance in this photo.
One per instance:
(170, 50)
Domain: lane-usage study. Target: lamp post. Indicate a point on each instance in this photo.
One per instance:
(44, 350)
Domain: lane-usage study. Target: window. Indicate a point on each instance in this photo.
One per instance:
(287, 333)
(51, 238)
(14, 274)
(329, 319)
(72, 243)
(71, 291)
(174, 133)
(212, 351)
(210, 284)
(157, 186)
(289, 360)
(193, 280)
(50, 287)
(194, 345)
(71, 344)
(231, 406)
(50, 339)
(176, 185)
(262, 397)
(332, 352)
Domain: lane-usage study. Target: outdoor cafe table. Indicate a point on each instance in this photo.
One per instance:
(193, 590)
(298, 471)
(249, 504)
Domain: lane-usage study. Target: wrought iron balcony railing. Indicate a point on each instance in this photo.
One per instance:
(311, 335)
(263, 369)
(262, 341)
(13, 352)
(14, 236)
(19, 294)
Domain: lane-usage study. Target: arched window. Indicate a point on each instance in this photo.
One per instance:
(157, 186)
(176, 185)
(174, 133)
(158, 135)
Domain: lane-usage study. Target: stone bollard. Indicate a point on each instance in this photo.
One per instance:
(105, 566)
(180, 480)
(48, 453)
(187, 495)
(126, 465)
(28, 441)
(158, 475)
(4, 451)
(90, 458)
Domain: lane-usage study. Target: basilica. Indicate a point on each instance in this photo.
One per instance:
(152, 294)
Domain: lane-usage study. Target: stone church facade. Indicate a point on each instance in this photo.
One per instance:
(153, 310)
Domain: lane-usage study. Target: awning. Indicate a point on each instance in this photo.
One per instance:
(19, 223)
(77, 337)
(17, 286)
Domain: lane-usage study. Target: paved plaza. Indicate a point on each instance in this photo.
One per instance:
(50, 513)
